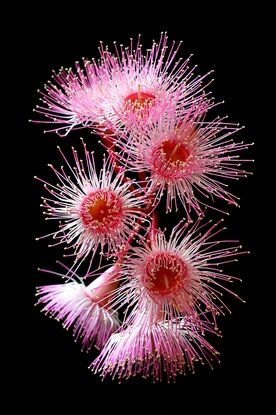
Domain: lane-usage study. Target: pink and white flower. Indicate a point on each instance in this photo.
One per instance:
(180, 275)
(120, 88)
(85, 308)
(93, 210)
(156, 349)
(186, 158)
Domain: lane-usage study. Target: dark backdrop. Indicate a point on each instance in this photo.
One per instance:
(224, 39)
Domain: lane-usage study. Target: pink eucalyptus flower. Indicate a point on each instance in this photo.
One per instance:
(93, 210)
(85, 308)
(155, 349)
(186, 158)
(121, 88)
(180, 275)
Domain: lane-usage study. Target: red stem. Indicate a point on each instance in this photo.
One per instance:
(110, 144)
(153, 228)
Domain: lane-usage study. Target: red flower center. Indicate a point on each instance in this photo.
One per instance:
(102, 210)
(139, 100)
(163, 273)
(174, 152)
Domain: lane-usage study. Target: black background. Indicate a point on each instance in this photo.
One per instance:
(229, 40)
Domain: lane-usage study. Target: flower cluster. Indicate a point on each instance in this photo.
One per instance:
(154, 304)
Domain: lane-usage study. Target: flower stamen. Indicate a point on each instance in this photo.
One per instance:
(139, 100)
